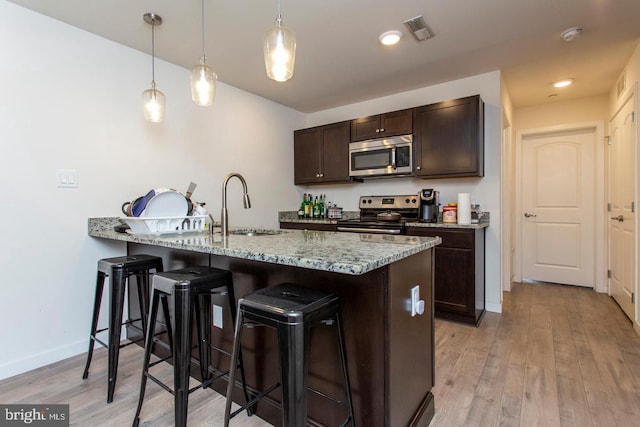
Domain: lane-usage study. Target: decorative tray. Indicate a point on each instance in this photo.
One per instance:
(166, 225)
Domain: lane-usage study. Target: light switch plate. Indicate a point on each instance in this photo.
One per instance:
(67, 178)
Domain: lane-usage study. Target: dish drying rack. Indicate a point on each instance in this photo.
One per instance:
(166, 225)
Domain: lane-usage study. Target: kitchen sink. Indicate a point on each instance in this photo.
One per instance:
(255, 232)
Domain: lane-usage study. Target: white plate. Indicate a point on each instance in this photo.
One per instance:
(166, 204)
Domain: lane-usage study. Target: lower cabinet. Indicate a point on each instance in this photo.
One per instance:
(459, 272)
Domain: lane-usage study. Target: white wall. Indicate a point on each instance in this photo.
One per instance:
(71, 100)
(485, 191)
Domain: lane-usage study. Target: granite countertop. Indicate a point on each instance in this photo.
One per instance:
(346, 253)
(481, 224)
(291, 216)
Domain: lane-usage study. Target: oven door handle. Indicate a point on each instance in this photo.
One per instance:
(393, 158)
(368, 230)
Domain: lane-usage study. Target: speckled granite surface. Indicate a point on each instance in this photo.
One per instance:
(347, 253)
(292, 216)
(484, 222)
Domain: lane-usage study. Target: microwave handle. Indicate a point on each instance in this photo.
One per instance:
(393, 157)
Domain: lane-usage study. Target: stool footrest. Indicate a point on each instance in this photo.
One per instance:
(250, 403)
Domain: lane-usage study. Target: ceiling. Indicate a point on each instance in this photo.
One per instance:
(339, 60)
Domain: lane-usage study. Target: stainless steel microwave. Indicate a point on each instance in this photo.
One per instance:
(381, 157)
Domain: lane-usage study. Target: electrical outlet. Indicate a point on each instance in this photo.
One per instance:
(417, 305)
(217, 316)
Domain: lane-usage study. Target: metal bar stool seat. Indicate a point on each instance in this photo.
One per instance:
(119, 270)
(292, 310)
(191, 290)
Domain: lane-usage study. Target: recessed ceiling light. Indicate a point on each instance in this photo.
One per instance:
(570, 34)
(563, 83)
(389, 38)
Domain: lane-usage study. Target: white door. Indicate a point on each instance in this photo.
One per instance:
(558, 201)
(622, 222)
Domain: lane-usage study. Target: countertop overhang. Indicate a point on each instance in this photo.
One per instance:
(346, 253)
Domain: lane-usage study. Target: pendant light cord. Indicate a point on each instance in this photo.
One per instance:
(153, 53)
(279, 20)
(202, 14)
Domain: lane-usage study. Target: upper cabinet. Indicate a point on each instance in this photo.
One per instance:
(449, 139)
(382, 125)
(321, 154)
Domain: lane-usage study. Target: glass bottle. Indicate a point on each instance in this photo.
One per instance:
(301, 209)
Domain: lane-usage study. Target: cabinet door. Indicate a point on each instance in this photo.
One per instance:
(335, 152)
(365, 128)
(397, 123)
(450, 138)
(382, 125)
(454, 280)
(307, 146)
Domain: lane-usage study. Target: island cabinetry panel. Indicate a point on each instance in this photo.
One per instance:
(390, 354)
(449, 139)
(321, 154)
(459, 281)
(382, 125)
(308, 226)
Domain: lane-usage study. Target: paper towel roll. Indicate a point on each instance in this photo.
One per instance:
(464, 208)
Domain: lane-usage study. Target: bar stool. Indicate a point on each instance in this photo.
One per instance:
(292, 310)
(119, 270)
(191, 290)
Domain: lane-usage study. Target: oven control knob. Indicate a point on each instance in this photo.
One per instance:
(413, 200)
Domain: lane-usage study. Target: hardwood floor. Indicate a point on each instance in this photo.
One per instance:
(556, 356)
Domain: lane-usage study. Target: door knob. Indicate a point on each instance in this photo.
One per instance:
(618, 218)
(528, 215)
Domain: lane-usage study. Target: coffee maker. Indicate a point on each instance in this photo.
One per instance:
(429, 203)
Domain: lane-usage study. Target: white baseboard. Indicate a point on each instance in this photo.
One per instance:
(19, 366)
(493, 307)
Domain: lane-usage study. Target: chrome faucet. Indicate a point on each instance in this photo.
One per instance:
(224, 222)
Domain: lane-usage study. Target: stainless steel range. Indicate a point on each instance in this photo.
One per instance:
(383, 214)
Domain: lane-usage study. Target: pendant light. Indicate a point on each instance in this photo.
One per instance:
(203, 78)
(153, 101)
(279, 51)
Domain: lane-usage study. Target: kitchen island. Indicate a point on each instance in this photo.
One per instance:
(390, 352)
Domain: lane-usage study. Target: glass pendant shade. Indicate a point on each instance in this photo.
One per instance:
(279, 53)
(153, 101)
(153, 104)
(203, 84)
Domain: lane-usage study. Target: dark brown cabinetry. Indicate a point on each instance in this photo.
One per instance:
(459, 272)
(382, 125)
(449, 138)
(321, 154)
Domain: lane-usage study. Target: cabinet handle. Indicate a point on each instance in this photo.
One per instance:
(418, 168)
(321, 175)
(382, 130)
(317, 175)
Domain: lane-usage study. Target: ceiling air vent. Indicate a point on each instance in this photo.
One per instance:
(418, 28)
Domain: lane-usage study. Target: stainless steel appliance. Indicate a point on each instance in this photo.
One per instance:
(381, 157)
(383, 215)
(429, 204)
